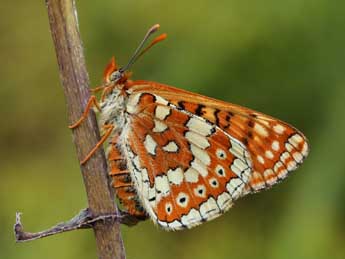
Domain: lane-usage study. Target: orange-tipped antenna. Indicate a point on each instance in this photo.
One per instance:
(154, 42)
(139, 52)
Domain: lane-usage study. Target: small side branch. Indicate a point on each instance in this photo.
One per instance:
(83, 220)
(80, 221)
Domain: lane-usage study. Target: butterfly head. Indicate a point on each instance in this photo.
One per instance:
(114, 75)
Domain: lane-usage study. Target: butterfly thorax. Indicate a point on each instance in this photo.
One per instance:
(114, 97)
(113, 109)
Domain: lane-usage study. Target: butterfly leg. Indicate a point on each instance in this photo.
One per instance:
(97, 89)
(109, 128)
(92, 102)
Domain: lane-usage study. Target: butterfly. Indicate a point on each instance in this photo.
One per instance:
(181, 158)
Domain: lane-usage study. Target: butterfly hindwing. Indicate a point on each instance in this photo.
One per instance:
(186, 169)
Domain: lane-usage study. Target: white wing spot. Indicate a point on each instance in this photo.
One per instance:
(191, 175)
(175, 176)
(199, 126)
(150, 145)
(269, 154)
(197, 139)
(260, 130)
(295, 140)
(175, 225)
(260, 159)
(285, 156)
(224, 201)
(159, 126)
(193, 218)
(277, 166)
(238, 167)
(161, 100)
(282, 173)
(298, 157)
(234, 187)
(200, 167)
(259, 183)
(240, 164)
(270, 177)
(289, 147)
(275, 145)
(280, 170)
(279, 129)
(171, 147)
(305, 149)
(200, 154)
(162, 112)
(292, 165)
(132, 103)
(237, 150)
(209, 209)
(162, 184)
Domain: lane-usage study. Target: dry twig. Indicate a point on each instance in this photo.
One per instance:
(62, 16)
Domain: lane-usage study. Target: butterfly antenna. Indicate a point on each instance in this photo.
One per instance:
(139, 51)
(154, 42)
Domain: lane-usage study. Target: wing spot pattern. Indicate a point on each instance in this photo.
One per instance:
(221, 154)
(182, 199)
(275, 145)
(162, 112)
(200, 191)
(220, 171)
(279, 129)
(213, 182)
(150, 145)
(171, 147)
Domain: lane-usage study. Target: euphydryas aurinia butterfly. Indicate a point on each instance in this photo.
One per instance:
(181, 158)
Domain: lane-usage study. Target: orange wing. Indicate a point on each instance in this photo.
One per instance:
(275, 147)
(186, 170)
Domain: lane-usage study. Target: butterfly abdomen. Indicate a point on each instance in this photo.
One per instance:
(123, 184)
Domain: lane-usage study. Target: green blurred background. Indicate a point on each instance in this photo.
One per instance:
(284, 58)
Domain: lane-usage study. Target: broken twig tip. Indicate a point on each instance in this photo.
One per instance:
(83, 220)
(18, 227)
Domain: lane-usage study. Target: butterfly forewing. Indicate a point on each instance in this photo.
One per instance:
(186, 169)
(275, 147)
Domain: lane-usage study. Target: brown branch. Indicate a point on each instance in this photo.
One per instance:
(80, 221)
(75, 82)
(84, 219)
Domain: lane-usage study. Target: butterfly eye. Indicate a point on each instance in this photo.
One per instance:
(115, 76)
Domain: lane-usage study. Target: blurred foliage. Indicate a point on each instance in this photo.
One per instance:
(284, 58)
